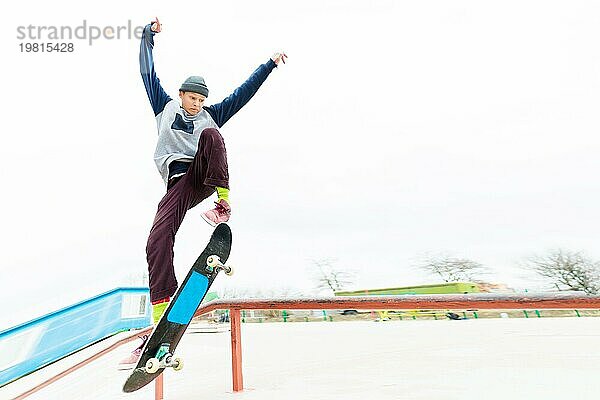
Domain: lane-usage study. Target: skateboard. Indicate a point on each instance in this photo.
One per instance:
(158, 353)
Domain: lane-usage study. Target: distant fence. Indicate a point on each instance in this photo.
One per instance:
(37, 343)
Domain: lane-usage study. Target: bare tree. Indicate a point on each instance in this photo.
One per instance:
(452, 269)
(330, 277)
(567, 270)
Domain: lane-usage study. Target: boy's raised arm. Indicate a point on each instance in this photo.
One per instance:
(224, 110)
(156, 94)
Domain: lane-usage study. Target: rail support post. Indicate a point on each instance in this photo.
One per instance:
(158, 387)
(236, 350)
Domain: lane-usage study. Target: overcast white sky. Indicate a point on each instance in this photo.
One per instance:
(395, 129)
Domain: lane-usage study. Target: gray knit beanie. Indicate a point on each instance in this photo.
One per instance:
(195, 84)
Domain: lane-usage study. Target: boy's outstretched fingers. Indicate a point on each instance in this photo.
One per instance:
(156, 27)
(277, 57)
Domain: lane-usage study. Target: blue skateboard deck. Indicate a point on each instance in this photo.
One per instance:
(178, 315)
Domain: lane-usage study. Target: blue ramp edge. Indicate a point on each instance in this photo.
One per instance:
(189, 299)
(32, 345)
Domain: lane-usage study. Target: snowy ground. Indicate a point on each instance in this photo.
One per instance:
(548, 358)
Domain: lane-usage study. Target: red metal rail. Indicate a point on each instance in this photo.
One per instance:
(80, 364)
(427, 302)
(412, 302)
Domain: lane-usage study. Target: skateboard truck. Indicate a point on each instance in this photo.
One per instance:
(213, 263)
(163, 359)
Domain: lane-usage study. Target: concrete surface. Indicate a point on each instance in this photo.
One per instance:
(548, 358)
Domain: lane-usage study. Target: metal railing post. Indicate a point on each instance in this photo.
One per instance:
(236, 350)
(158, 387)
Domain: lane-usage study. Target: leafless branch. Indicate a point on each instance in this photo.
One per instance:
(452, 269)
(567, 270)
(329, 277)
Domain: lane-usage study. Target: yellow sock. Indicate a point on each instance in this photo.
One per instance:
(158, 310)
(223, 193)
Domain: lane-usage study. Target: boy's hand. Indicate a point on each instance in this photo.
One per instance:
(155, 26)
(277, 57)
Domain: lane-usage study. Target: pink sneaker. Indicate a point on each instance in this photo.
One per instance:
(131, 361)
(220, 213)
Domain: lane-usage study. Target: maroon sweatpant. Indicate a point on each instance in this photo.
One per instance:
(207, 170)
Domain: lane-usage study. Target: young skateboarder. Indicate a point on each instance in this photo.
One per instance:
(191, 158)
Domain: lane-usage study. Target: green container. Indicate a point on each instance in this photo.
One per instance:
(440, 288)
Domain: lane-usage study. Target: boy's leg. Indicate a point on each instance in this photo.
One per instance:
(159, 249)
(209, 170)
(209, 167)
(159, 254)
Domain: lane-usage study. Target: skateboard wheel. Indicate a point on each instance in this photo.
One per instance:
(212, 261)
(152, 365)
(228, 270)
(177, 364)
